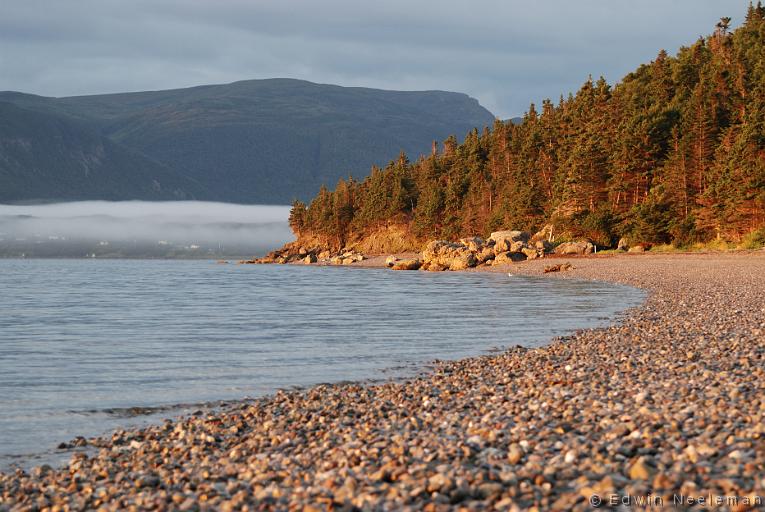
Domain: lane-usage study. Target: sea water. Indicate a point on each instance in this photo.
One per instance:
(85, 344)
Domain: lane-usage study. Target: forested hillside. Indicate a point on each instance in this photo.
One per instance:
(675, 152)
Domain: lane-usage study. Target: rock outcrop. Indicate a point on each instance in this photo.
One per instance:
(295, 252)
(502, 247)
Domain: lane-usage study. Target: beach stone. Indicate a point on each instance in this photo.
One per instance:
(311, 258)
(147, 481)
(667, 399)
(640, 470)
(390, 261)
(514, 454)
(439, 483)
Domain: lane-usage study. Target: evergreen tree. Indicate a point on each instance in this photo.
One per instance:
(673, 152)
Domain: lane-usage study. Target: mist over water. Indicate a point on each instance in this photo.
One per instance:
(187, 229)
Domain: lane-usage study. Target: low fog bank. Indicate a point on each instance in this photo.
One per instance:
(174, 229)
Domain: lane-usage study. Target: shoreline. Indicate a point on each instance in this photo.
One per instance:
(492, 430)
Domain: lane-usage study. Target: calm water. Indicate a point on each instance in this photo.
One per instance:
(81, 340)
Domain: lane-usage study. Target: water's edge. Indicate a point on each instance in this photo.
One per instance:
(141, 416)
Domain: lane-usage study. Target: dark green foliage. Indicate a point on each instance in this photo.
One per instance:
(675, 152)
(265, 141)
(298, 216)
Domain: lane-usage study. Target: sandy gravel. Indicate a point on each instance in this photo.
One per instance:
(671, 402)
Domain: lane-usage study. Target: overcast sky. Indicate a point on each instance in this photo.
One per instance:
(505, 53)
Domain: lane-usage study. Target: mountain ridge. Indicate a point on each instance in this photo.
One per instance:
(267, 141)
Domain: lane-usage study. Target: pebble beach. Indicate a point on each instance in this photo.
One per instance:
(666, 404)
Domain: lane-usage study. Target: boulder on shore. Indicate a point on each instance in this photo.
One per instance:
(474, 243)
(412, 264)
(454, 256)
(390, 261)
(575, 248)
(486, 255)
(505, 258)
(543, 234)
(504, 240)
(310, 258)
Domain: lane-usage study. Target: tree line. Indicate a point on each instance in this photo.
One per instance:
(674, 153)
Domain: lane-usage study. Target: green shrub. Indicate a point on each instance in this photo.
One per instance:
(754, 240)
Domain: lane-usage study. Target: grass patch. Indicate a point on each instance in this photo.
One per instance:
(754, 240)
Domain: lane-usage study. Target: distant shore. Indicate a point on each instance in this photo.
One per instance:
(667, 402)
